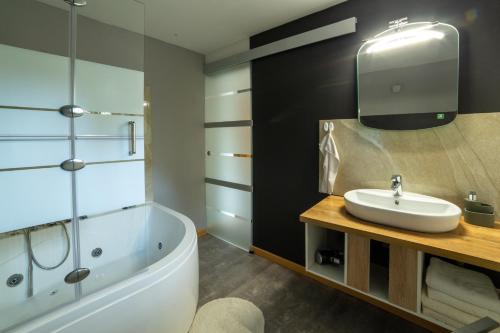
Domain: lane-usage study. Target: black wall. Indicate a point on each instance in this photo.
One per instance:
(293, 90)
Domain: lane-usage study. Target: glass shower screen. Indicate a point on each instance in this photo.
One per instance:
(110, 139)
(35, 193)
(55, 218)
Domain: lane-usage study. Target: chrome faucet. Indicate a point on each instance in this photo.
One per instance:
(397, 187)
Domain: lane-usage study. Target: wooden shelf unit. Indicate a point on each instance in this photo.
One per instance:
(468, 243)
(400, 284)
(363, 275)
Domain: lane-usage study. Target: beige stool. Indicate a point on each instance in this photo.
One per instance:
(228, 315)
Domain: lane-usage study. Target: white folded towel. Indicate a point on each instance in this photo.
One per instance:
(447, 310)
(448, 322)
(463, 284)
(461, 305)
(331, 161)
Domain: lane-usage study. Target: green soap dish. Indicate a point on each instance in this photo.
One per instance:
(478, 207)
(486, 219)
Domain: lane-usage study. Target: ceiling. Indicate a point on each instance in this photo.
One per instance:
(199, 25)
(207, 25)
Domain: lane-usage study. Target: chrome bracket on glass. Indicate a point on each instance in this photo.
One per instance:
(76, 3)
(72, 164)
(72, 111)
(133, 138)
(77, 275)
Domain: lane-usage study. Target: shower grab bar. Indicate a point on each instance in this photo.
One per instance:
(133, 138)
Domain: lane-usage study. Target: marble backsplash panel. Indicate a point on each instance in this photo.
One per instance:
(445, 162)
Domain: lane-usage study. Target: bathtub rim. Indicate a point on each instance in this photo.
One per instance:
(128, 287)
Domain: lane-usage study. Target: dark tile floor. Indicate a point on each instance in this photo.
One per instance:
(290, 302)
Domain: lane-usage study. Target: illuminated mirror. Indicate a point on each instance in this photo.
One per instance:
(408, 77)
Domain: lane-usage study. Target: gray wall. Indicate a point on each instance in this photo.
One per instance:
(176, 78)
(37, 26)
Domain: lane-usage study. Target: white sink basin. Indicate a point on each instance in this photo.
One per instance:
(414, 211)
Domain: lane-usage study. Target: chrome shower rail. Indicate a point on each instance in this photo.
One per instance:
(29, 108)
(101, 113)
(56, 223)
(31, 168)
(65, 137)
(116, 161)
(59, 165)
(33, 137)
(105, 137)
(34, 228)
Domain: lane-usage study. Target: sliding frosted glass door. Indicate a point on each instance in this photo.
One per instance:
(228, 163)
(35, 193)
(109, 137)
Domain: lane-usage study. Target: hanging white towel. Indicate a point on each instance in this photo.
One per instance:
(331, 161)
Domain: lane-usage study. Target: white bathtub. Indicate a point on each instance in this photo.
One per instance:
(158, 295)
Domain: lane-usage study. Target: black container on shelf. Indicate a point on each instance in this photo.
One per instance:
(329, 257)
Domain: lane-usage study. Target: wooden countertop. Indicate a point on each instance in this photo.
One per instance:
(468, 243)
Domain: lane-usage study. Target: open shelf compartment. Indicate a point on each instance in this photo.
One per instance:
(321, 238)
(494, 276)
(379, 270)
